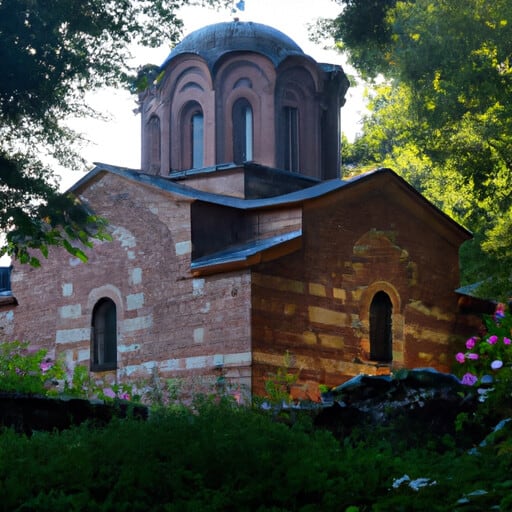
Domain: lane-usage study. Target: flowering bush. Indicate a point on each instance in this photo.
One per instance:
(25, 369)
(28, 370)
(490, 354)
(82, 385)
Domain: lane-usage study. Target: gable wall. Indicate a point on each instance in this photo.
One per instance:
(315, 303)
(165, 318)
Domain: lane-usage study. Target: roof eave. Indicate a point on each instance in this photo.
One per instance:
(212, 266)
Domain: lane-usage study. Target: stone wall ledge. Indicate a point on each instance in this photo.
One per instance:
(28, 413)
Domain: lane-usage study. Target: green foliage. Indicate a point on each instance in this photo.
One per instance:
(278, 385)
(489, 354)
(84, 385)
(442, 116)
(224, 458)
(52, 53)
(188, 392)
(23, 370)
(486, 368)
(217, 456)
(361, 27)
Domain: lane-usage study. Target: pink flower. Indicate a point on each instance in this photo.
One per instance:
(124, 396)
(492, 339)
(473, 356)
(109, 392)
(45, 366)
(469, 379)
(460, 357)
(471, 343)
(497, 364)
(506, 340)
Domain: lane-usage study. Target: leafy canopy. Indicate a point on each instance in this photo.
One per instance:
(441, 115)
(52, 53)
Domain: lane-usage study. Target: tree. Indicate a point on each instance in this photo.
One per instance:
(443, 117)
(52, 53)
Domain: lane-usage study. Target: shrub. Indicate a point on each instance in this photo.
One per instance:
(28, 370)
(224, 458)
(488, 356)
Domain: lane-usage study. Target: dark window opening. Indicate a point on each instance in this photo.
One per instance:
(242, 132)
(154, 143)
(5, 279)
(191, 137)
(197, 137)
(291, 139)
(104, 336)
(381, 328)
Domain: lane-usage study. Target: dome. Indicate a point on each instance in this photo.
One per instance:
(214, 41)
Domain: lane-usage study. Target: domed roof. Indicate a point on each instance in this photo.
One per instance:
(214, 41)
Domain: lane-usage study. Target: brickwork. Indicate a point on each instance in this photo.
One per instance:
(208, 73)
(315, 303)
(165, 317)
(250, 296)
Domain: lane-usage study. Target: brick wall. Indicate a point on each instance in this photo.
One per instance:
(166, 318)
(315, 303)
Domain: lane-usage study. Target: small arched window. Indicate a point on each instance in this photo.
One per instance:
(104, 336)
(381, 339)
(192, 136)
(242, 131)
(154, 144)
(197, 136)
(291, 142)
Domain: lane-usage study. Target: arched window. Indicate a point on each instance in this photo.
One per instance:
(197, 137)
(290, 134)
(154, 144)
(104, 336)
(192, 136)
(381, 328)
(242, 131)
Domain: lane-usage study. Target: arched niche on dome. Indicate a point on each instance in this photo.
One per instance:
(297, 117)
(189, 94)
(250, 78)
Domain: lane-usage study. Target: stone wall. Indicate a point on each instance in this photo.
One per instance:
(165, 318)
(315, 303)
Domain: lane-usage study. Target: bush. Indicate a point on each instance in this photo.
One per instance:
(225, 458)
(26, 370)
(489, 355)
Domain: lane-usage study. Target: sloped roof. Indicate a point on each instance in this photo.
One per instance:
(244, 255)
(253, 251)
(312, 192)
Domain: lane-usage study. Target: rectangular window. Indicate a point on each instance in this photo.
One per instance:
(291, 139)
(5, 279)
(197, 140)
(248, 134)
(242, 132)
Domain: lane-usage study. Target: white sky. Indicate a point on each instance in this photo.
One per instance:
(117, 141)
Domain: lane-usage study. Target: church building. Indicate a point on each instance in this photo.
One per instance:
(236, 242)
